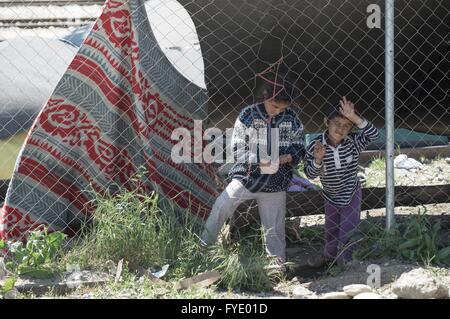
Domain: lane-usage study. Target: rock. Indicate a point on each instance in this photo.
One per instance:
(301, 292)
(401, 173)
(335, 295)
(3, 271)
(353, 290)
(420, 284)
(402, 161)
(400, 158)
(119, 271)
(61, 284)
(73, 275)
(447, 160)
(200, 281)
(12, 294)
(368, 295)
(390, 295)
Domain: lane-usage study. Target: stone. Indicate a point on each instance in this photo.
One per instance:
(401, 173)
(368, 295)
(420, 284)
(335, 295)
(3, 271)
(119, 271)
(390, 295)
(402, 161)
(200, 281)
(61, 284)
(301, 292)
(353, 290)
(12, 294)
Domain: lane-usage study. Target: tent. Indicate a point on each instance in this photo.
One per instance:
(30, 68)
(110, 114)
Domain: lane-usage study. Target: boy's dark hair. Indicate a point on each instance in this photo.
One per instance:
(279, 86)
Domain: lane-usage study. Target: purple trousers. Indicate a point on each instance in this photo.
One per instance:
(340, 222)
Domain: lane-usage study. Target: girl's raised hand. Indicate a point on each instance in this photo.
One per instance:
(319, 152)
(347, 108)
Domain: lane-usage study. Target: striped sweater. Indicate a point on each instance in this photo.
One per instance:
(338, 171)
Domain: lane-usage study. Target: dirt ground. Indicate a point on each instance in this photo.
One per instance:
(323, 280)
(305, 239)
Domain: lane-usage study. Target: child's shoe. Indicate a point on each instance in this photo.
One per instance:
(319, 261)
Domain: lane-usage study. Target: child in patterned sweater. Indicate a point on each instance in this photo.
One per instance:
(252, 178)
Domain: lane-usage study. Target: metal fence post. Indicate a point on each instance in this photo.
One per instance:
(389, 111)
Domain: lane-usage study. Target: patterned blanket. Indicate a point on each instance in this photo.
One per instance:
(112, 112)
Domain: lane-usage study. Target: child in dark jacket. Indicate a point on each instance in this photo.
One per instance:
(334, 157)
(270, 129)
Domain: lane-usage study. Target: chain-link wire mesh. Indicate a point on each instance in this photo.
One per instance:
(213, 56)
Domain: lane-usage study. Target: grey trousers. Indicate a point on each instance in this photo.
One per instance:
(272, 211)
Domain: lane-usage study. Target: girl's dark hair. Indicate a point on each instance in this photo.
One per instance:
(332, 112)
(280, 86)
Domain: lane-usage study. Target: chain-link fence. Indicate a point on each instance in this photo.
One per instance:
(123, 75)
